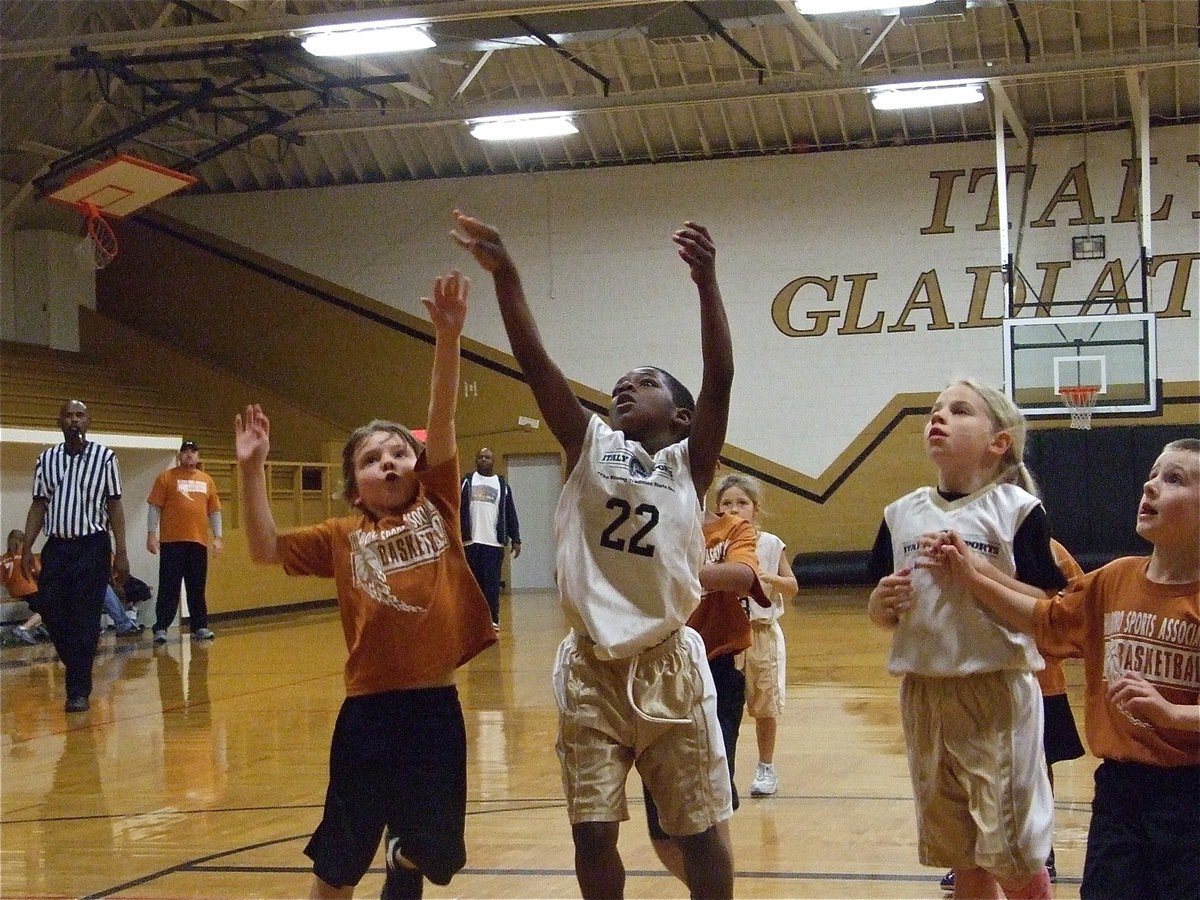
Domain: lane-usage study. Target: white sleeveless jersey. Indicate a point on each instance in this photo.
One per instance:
(769, 549)
(946, 633)
(630, 542)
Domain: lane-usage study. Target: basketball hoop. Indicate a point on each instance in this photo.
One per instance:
(1080, 399)
(114, 189)
(99, 239)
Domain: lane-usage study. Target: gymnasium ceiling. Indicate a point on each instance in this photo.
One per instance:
(220, 88)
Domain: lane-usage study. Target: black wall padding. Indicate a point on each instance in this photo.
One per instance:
(1092, 481)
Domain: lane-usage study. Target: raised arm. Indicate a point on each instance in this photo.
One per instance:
(448, 312)
(564, 414)
(252, 432)
(711, 418)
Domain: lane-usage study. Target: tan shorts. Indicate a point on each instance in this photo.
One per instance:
(978, 771)
(765, 667)
(601, 735)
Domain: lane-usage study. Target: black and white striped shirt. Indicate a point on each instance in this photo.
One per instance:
(76, 489)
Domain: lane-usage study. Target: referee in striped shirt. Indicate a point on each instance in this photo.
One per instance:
(76, 501)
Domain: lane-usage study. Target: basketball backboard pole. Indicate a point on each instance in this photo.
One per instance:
(1006, 262)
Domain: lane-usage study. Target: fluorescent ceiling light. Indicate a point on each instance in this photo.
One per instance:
(362, 40)
(823, 7)
(521, 127)
(931, 95)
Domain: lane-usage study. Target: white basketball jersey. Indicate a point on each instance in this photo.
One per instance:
(630, 542)
(946, 633)
(769, 549)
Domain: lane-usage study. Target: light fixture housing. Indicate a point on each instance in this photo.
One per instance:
(522, 126)
(363, 40)
(918, 96)
(831, 7)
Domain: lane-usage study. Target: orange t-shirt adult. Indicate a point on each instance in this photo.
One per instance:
(186, 497)
(411, 610)
(720, 618)
(1118, 620)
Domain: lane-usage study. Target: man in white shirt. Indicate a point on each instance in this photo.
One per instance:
(489, 523)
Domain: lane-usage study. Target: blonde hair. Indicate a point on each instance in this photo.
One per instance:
(1006, 417)
(750, 486)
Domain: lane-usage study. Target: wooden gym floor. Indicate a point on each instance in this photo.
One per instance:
(200, 771)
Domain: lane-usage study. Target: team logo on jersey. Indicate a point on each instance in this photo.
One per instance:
(419, 540)
(634, 467)
(189, 486)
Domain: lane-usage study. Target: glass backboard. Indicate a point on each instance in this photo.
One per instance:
(1115, 353)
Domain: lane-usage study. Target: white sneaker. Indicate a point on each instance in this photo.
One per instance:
(765, 782)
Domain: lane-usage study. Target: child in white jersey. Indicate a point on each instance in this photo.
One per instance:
(970, 705)
(765, 662)
(631, 680)
(411, 613)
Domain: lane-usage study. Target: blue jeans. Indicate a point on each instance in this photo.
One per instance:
(116, 611)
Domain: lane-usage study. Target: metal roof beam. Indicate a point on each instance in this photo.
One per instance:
(812, 40)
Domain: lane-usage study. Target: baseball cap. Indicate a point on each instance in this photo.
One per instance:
(188, 445)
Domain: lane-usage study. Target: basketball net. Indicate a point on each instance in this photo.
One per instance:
(98, 246)
(1080, 400)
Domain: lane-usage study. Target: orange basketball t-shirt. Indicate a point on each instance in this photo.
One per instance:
(186, 497)
(719, 618)
(1118, 620)
(411, 609)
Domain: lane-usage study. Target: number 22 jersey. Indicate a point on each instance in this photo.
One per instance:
(630, 542)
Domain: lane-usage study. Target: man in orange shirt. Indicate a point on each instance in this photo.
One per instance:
(184, 504)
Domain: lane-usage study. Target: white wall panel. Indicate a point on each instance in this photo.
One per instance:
(595, 253)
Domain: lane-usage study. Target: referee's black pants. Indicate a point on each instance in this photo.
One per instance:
(75, 574)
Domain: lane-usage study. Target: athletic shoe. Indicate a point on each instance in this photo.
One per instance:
(77, 704)
(496, 627)
(765, 782)
(24, 635)
(160, 636)
(400, 881)
(41, 633)
(948, 881)
(1050, 867)
(131, 631)
(203, 634)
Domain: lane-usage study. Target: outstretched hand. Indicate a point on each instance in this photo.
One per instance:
(252, 433)
(448, 309)
(696, 248)
(480, 240)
